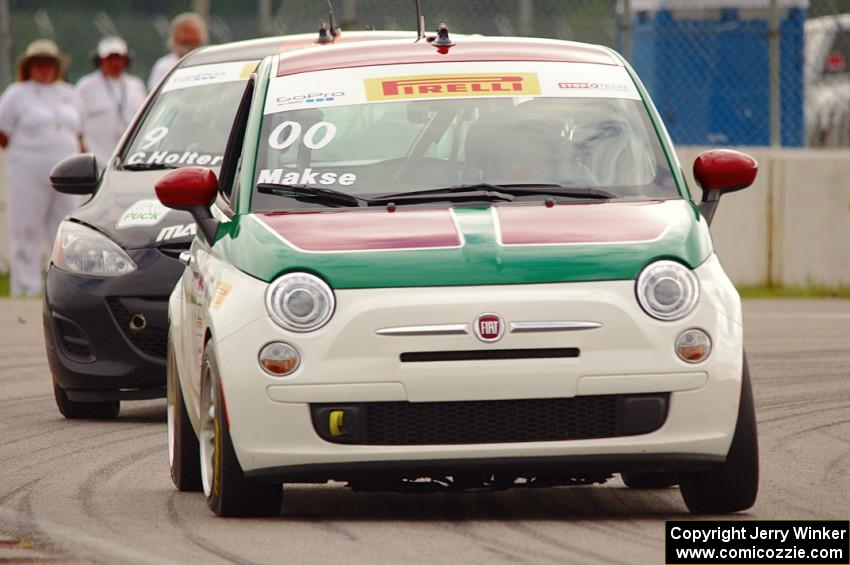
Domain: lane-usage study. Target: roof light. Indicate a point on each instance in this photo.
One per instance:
(442, 41)
(325, 36)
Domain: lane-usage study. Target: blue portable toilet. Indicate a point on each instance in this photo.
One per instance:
(707, 66)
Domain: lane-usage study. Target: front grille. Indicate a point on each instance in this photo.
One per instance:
(73, 340)
(493, 421)
(152, 340)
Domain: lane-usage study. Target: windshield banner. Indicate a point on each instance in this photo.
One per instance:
(340, 87)
(203, 75)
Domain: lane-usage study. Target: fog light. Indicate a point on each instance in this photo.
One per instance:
(279, 359)
(693, 346)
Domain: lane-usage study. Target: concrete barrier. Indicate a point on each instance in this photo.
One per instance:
(792, 227)
(4, 219)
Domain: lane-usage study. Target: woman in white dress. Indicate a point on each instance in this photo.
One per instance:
(40, 125)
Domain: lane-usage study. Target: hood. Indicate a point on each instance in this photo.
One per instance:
(501, 244)
(126, 209)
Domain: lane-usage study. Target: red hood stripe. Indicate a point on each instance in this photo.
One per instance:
(615, 222)
(365, 230)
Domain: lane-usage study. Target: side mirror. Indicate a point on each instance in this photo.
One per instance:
(193, 189)
(77, 174)
(719, 171)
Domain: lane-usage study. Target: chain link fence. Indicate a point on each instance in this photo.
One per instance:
(707, 64)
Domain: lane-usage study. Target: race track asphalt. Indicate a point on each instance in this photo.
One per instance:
(80, 492)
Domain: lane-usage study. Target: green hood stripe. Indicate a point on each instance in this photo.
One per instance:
(252, 247)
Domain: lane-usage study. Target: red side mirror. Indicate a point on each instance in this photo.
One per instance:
(725, 170)
(193, 189)
(187, 188)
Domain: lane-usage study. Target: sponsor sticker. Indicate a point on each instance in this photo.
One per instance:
(219, 295)
(173, 232)
(593, 86)
(387, 83)
(311, 98)
(442, 86)
(216, 73)
(142, 213)
(247, 69)
(307, 176)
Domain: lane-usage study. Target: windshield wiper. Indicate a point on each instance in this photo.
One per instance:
(147, 167)
(311, 194)
(506, 191)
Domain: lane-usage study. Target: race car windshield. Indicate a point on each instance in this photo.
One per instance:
(578, 144)
(189, 122)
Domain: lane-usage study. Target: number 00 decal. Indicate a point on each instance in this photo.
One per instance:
(317, 136)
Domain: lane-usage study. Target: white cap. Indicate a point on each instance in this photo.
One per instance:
(112, 46)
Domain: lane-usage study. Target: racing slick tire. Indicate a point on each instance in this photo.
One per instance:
(731, 486)
(650, 480)
(227, 490)
(73, 410)
(183, 456)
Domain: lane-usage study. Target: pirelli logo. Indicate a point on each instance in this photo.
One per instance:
(440, 86)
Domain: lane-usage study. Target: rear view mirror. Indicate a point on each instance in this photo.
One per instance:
(77, 174)
(193, 189)
(719, 171)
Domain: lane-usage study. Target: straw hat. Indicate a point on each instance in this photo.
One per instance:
(41, 49)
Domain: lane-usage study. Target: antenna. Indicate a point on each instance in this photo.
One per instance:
(328, 32)
(332, 20)
(420, 22)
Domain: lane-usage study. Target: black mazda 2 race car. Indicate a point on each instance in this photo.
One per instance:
(116, 259)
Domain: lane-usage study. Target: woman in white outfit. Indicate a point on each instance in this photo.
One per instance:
(39, 126)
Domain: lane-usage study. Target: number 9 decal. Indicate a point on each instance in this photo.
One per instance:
(153, 137)
(287, 133)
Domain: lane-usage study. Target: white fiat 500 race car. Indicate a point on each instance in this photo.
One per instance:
(449, 265)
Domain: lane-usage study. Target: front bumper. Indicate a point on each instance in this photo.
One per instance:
(93, 352)
(271, 419)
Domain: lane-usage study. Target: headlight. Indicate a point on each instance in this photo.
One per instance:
(300, 302)
(82, 250)
(667, 290)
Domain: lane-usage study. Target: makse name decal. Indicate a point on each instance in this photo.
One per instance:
(427, 86)
(307, 176)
